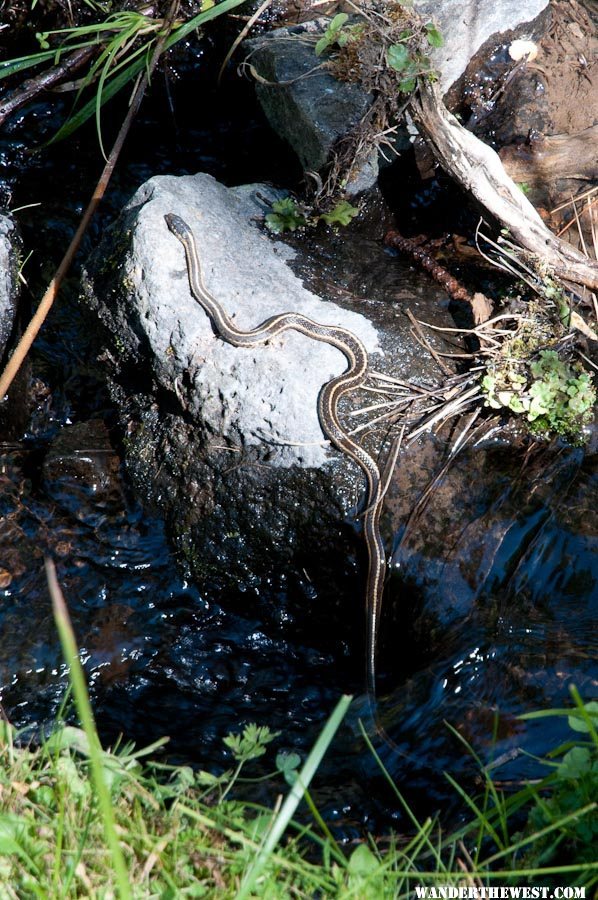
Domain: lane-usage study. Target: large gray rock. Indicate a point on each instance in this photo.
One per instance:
(246, 397)
(303, 102)
(227, 441)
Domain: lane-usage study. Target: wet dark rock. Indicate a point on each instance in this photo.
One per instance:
(227, 441)
(81, 471)
(15, 407)
(309, 109)
(9, 279)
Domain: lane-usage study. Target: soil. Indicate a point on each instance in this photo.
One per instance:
(568, 65)
(556, 93)
(553, 93)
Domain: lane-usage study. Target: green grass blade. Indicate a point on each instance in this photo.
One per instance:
(584, 713)
(201, 19)
(422, 829)
(12, 66)
(71, 656)
(295, 796)
(117, 82)
(89, 109)
(530, 839)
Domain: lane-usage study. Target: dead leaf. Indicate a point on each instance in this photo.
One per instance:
(481, 308)
(581, 325)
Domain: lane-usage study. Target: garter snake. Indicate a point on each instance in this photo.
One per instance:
(328, 400)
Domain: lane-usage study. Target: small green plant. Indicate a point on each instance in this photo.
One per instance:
(408, 61)
(573, 784)
(433, 35)
(287, 215)
(401, 37)
(553, 394)
(250, 744)
(338, 33)
(341, 214)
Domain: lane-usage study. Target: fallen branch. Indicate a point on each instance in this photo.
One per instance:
(34, 86)
(479, 170)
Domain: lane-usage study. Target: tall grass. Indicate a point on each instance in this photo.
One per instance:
(126, 41)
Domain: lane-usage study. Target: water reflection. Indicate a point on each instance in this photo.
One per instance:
(490, 613)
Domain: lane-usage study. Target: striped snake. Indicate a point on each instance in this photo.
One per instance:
(328, 401)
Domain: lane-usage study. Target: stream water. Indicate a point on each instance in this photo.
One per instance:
(491, 603)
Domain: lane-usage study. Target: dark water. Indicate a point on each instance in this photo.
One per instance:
(490, 609)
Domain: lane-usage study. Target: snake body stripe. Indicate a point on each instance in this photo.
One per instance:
(328, 400)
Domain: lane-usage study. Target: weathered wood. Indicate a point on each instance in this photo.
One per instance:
(477, 167)
(545, 158)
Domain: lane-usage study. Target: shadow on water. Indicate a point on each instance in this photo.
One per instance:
(488, 611)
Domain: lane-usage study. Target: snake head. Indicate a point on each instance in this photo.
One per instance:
(179, 228)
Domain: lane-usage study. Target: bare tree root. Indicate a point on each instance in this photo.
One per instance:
(479, 170)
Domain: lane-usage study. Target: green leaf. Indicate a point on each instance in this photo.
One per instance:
(516, 405)
(576, 763)
(363, 862)
(251, 743)
(285, 216)
(407, 85)
(206, 779)
(577, 723)
(287, 761)
(68, 738)
(342, 214)
(397, 57)
(322, 44)
(288, 764)
(337, 22)
(434, 37)
(71, 777)
(332, 35)
(42, 39)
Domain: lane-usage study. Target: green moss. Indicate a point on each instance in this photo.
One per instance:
(554, 395)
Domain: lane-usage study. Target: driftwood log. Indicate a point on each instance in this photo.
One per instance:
(546, 158)
(477, 167)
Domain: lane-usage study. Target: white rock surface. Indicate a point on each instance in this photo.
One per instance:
(467, 24)
(263, 395)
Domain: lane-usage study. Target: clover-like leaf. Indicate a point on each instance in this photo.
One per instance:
(407, 85)
(576, 763)
(578, 723)
(288, 765)
(342, 214)
(397, 57)
(433, 36)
